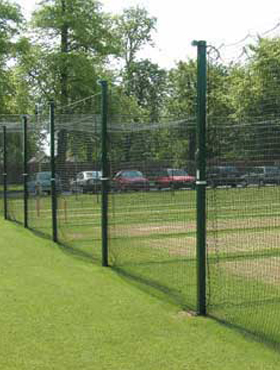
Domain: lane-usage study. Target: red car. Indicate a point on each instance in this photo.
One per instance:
(130, 180)
(174, 179)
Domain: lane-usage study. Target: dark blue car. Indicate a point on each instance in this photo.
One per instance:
(40, 183)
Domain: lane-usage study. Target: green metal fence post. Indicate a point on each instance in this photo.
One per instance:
(5, 172)
(25, 172)
(201, 176)
(105, 173)
(53, 172)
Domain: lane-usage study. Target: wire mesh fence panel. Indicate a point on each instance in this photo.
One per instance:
(39, 174)
(14, 158)
(78, 169)
(152, 204)
(243, 197)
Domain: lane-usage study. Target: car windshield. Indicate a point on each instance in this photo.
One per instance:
(272, 170)
(259, 170)
(132, 174)
(44, 176)
(229, 169)
(176, 172)
(93, 175)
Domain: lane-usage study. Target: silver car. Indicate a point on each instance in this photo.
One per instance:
(86, 182)
(262, 175)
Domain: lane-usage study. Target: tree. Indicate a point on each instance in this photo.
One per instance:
(74, 41)
(182, 89)
(255, 98)
(75, 36)
(134, 28)
(148, 83)
(10, 24)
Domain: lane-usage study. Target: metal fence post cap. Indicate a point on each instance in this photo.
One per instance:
(103, 82)
(198, 43)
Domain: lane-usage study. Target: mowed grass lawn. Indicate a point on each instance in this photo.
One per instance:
(62, 312)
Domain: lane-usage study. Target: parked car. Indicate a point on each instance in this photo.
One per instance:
(130, 180)
(173, 178)
(224, 176)
(40, 183)
(86, 182)
(262, 175)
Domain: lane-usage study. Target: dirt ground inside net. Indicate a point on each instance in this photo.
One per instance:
(244, 223)
(248, 236)
(145, 229)
(230, 236)
(266, 270)
(185, 247)
(251, 241)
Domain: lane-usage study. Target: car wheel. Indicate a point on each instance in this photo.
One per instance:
(122, 188)
(158, 186)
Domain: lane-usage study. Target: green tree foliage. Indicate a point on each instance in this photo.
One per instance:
(70, 48)
(134, 30)
(256, 95)
(182, 89)
(10, 21)
(148, 83)
(75, 39)
(10, 24)
(181, 103)
(256, 84)
(73, 42)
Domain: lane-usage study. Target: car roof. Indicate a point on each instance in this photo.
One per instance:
(133, 170)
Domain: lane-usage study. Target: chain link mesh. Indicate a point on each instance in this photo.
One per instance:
(243, 196)
(152, 233)
(78, 168)
(14, 152)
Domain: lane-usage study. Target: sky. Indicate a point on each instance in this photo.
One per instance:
(179, 22)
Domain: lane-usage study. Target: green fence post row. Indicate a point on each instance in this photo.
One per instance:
(5, 173)
(53, 172)
(201, 176)
(105, 172)
(25, 172)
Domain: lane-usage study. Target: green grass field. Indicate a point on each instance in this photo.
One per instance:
(153, 242)
(58, 311)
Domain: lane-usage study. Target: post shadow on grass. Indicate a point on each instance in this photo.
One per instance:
(153, 286)
(251, 334)
(78, 253)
